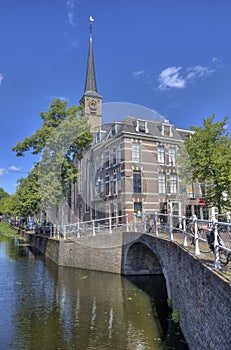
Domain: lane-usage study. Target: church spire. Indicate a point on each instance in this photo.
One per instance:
(91, 100)
(90, 83)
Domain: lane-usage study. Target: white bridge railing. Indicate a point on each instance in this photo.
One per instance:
(169, 225)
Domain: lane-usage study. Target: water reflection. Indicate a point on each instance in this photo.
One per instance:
(44, 306)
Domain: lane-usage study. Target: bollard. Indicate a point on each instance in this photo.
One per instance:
(127, 228)
(58, 231)
(110, 229)
(217, 263)
(93, 227)
(185, 243)
(144, 220)
(196, 239)
(170, 227)
(135, 226)
(78, 233)
(64, 232)
(156, 224)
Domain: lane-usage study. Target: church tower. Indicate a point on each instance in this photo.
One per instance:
(91, 100)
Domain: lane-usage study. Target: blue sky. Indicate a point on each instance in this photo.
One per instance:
(171, 56)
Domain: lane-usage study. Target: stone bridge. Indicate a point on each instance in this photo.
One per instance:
(200, 293)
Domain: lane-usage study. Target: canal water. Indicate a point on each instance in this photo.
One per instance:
(44, 306)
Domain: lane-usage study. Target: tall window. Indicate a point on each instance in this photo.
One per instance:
(202, 189)
(111, 155)
(136, 152)
(172, 156)
(112, 184)
(97, 164)
(101, 187)
(96, 187)
(118, 153)
(162, 183)
(137, 181)
(161, 154)
(102, 160)
(119, 181)
(173, 183)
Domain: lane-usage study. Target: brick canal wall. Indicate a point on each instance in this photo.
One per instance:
(200, 294)
(102, 253)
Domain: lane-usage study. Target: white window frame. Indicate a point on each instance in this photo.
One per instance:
(136, 152)
(162, 183)
(172, 156)
(142, 123)
(161, 154)
(173, 183)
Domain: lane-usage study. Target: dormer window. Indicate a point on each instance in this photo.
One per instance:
(166, 129)
(142, 126)
(114, 129)
(98, 137)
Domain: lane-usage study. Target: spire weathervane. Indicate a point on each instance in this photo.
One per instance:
(91, 21)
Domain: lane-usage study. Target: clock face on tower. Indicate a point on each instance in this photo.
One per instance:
(93, 105)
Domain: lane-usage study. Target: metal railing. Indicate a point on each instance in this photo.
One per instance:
(155, 223)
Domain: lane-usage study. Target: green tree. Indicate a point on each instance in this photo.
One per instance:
(8, 205)
(3, 196)
(206, 156)
(63, 136)
(27, 201)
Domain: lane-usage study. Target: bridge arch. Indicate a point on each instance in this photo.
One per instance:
(139, 259)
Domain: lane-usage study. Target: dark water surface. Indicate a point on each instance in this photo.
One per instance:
(47, 307)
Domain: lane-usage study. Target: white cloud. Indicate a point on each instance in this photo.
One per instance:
(173, 77)
(54, 97)
(1, 78)
(2, 171)
(198, 72)
(215, 59)
(70, 6)
(136, 73)
(10, 169)
(14, 168)
(170, 78)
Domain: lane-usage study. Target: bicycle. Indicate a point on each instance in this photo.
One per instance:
(202, 236)
(224, 255)
(209, 233)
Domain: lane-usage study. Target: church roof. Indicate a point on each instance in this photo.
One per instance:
(90, 83)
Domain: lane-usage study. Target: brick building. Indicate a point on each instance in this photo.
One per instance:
(131, 166)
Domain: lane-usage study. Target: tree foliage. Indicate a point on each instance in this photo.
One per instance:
(64, 135)
(3, 198)
(27, 197)
(208, 159)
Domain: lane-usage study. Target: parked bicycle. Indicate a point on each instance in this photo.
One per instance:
(202, 236)
(206, 238)
(225, 243)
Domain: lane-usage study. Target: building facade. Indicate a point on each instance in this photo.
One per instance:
(131, 166)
